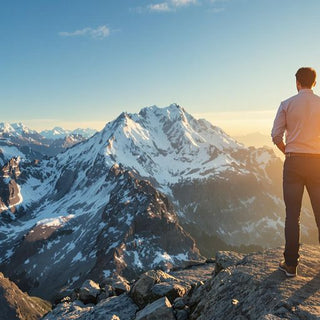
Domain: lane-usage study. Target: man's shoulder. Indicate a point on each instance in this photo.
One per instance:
(290, 99)
(316, 96)
(298, 97)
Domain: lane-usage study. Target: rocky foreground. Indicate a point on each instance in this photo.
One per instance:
(234, 286)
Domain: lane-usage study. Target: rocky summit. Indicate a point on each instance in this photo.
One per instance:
(233, 286)
(252, 287)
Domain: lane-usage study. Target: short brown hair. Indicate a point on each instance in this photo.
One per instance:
(306, 76)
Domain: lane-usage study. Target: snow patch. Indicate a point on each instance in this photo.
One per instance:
(106, 273)
(55, 222)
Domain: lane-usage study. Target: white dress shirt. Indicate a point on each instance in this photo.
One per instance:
(299, 118)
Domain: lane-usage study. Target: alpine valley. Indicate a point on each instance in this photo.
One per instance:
(157, 189)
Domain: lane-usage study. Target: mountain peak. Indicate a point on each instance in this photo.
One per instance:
(173, 111)
(17, 128)
(59, 129)
(5, 127)
(61, 133)
(22, 128)
(152, 140)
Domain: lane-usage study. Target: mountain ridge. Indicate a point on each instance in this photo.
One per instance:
(46, 143)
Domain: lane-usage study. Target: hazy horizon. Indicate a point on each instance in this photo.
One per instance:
(253, 136)
(234, 123)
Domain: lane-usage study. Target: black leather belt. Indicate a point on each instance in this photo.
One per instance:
(304, 155)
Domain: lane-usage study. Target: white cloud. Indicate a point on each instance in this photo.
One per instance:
(174, 5)
(218, 1)
(170, 5)
(182, 3)
(159, 7)
(98, 33)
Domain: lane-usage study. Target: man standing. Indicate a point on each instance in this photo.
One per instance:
(299, 118)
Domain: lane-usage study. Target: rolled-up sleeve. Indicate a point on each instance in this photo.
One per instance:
(279, 125)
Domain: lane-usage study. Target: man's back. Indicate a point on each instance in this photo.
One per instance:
(299, 116)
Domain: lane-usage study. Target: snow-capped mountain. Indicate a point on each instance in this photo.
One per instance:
(45, 143)
(95, 207)
(18, 133)
(61, 133)
(85, 132)
(61, 144)
(111, 224)
(55, 133)
(15, 129)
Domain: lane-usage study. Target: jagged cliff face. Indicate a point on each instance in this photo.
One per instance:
(10, 195)
(116, 224)
(88, 210)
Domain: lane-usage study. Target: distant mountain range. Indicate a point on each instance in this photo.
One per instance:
(45, 143)
(20, 130)
(255, 139)
(258, 140)
(58, 133)
(147, 191)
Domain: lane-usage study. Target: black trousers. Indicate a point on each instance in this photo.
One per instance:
(299, 172)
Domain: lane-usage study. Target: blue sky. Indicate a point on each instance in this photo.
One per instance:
(82, 62)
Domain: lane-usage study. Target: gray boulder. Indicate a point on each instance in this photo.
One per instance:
(89, 292)
(270, 317)
(159, 309)
(225, 259)
(170, 290)
(179, 303)
(65, 310)
(120, 306)
(195, 275)
(113, 308)
(116, 284)
(182, 315)
(141, 292)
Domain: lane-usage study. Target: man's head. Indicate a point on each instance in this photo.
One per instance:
(306, 78)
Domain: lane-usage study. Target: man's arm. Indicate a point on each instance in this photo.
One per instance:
(278, 129)
(281, 146)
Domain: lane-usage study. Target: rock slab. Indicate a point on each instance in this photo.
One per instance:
(116, 307)
(255, 289)
(159, 309)
(89, 292)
